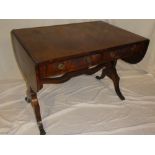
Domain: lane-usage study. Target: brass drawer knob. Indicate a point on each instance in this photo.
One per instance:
(61, 66)
(88, 60)
(113, 54)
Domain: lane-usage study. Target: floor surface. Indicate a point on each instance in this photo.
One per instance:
(82, 105)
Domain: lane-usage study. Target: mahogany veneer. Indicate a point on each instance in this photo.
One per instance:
(70, 50)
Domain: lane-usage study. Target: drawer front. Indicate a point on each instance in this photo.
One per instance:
(126, 53)
(137, 53)
(135, 50)
(58, 68)
(122, 52)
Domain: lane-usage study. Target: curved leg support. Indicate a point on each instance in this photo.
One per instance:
(112, 74)
(32, 97)
(110, 71)
(102, 75)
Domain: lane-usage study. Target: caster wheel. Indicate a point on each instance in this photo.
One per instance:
(27, 100)
(42, 132)
(41, 129)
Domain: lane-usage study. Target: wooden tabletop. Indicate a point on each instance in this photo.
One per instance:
(63, 41)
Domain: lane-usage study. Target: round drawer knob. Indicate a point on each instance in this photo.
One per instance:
(61, 66)
(88, 60)
(113, 55)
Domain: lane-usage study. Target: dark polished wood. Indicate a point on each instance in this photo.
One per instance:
(32, 97)
(110, 71)
(66, 51)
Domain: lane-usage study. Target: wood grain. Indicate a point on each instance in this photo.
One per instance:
(53, 43)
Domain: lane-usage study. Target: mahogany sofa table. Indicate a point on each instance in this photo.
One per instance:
(54, 54)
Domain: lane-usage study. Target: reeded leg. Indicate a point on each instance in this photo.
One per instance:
(110, 71)
(32, 97)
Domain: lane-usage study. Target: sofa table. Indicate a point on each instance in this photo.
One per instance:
(54, 54)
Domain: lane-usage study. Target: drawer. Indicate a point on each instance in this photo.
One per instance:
(62, 67)
(123, 52)
(137, 53)
(75, 64)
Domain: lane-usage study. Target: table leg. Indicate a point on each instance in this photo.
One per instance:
(32, 97)
(110, 71)
(28, 95)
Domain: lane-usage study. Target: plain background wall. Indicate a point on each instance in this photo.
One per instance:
(142, 27)
(8, 66)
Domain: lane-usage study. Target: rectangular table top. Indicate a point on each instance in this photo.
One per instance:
(63, 41)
